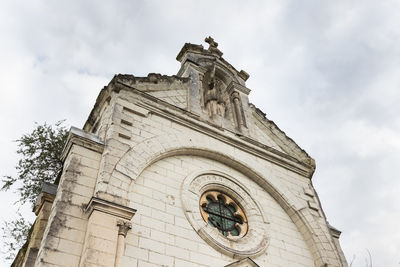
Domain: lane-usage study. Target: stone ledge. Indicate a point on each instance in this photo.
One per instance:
(308, 192)
(109, 208)
(313, 205)
(47, 194)
(81, 138)
(244, 143)
(334, 232)
(233, 86)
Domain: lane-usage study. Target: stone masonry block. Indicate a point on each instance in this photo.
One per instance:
(151, 245)
(160, 259)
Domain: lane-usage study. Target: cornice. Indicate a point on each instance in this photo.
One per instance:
(47, 194)
(233, 86)
(241, 142)
(286, 143)
(79, 137)
(193, 49)
(334, 232)
(109, 207)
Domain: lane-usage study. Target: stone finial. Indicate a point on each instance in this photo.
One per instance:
(211, 42)
(123, 227)
(213, 47)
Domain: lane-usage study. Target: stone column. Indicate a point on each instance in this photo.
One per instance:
(238, 109)
(123, 228)
(239, 101)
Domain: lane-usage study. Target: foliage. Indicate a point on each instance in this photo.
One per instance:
(15, 234)
(368, 260)
(40, 162)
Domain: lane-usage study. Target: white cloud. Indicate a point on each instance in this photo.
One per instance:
(326, 72)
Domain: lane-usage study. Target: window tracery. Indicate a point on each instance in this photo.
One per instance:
(222, 212)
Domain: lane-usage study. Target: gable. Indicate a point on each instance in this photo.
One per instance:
(246, 262)
(268, 133)
(263, 135)
(176, 97)
(171, 89)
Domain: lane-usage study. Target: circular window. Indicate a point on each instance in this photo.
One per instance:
(222, 212)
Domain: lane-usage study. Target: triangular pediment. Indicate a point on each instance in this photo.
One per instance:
(268, 133)
(246, 262)
(210, 89)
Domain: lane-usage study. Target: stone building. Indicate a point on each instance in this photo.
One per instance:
(182, 171)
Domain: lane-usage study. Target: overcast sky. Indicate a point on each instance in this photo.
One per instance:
(326, 72)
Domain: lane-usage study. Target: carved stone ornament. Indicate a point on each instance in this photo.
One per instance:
(251, 241)
(240, 121)
(123, 227)
(211, 42)
(247, 262)
(213, 97)
(213, 46)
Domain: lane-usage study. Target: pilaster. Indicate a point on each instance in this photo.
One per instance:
(64, 234)
(108, 225)
(239, 96)
(42, 210)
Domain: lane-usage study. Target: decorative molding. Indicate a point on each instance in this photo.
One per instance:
(246, 262)
(254, 242)
(308, 191)
(190, 51)
(111, 208)
(312, 205)
(123, 227)
(84, 139)
(244, 75)
(234, 86)
(244, 143)
(284, 141)
(334, 232)
(47, 194)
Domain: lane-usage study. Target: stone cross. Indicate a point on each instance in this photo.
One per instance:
(211, 42)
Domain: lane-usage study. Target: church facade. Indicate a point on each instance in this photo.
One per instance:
(182, 171)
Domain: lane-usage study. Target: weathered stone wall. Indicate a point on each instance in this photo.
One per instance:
(154, 132)
(149, 149)
(65, 233)
(144, 140)
(162, 236)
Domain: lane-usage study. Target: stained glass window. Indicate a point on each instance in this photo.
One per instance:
(222, 212)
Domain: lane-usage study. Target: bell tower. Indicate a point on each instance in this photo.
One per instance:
(218, 91)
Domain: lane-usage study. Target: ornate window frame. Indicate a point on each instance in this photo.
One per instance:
(224, 213)
(254, 242)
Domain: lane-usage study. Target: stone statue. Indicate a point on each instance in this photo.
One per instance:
(213, 100)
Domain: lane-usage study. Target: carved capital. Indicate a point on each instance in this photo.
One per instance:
(123, 227)
(235, 95)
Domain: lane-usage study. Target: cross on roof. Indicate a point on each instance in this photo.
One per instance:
(211, 42)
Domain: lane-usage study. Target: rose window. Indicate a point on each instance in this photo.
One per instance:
(222, 212)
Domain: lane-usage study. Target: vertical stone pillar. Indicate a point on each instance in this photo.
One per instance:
(238, 110)
(65, 231)
(123, 228)
(239, 100)
(107, 227)
(42, 210)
